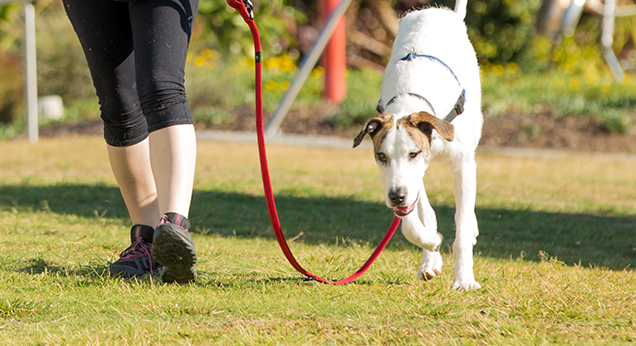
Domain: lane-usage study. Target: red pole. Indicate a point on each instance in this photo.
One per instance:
(334, 58)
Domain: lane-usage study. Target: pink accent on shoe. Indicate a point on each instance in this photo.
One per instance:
(164, 219)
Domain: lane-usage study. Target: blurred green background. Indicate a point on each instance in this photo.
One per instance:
(522, 71)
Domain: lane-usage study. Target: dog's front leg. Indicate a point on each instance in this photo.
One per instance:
(465, 181)
(431, 265)
(420, 228)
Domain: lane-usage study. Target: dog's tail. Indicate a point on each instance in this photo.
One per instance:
(460, 7)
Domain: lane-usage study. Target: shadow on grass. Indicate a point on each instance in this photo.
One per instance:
(37, 266)
(607, 241)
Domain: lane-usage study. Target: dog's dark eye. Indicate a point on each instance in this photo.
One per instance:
(381, 157)
(414, 154)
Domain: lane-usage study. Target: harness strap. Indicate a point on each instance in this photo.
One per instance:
(412, 55)
(380, 109)
(458, 108)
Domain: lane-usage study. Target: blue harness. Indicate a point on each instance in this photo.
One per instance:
(459, 105)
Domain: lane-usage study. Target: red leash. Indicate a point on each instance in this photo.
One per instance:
(246, 9)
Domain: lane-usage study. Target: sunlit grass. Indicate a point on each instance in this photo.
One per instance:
(555, 256)
(506, 90)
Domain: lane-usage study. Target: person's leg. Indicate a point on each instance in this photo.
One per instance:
(104, 31)
(173, 155)
(160, 69)
(161, 33)
(133, 172)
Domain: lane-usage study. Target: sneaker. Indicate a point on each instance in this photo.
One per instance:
(136, 261)
(173, 247)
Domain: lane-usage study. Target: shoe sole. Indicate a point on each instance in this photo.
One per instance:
(172, 248)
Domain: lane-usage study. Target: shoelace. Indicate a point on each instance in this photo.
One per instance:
(138, 249)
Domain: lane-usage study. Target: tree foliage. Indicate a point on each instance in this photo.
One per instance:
(221, 28)
(11, 83)
(501, 30)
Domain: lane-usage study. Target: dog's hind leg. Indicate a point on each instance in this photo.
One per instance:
(466, 232)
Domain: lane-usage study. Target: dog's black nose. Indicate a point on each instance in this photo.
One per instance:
(397, 195)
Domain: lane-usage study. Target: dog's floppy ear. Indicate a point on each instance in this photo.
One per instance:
(426, 122)
(372, 127)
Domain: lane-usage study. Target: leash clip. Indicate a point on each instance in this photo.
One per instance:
(244, 7)
(250, 8)
(310, 278)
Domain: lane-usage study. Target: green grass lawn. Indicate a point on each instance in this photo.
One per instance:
(555, 257)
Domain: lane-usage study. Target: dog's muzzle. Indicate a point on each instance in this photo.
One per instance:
(401, 211)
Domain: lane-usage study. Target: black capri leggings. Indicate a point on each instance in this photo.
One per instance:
(136, 54)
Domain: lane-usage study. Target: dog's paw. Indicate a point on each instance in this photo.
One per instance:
(468, 285)
(428, 275)
(431, 265)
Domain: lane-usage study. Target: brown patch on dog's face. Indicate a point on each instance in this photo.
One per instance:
(420, 127)
(402, 152)
(377, 128)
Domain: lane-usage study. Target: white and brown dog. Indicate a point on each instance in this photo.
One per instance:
(430, 107)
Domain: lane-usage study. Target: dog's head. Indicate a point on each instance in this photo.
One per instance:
(403, 152)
